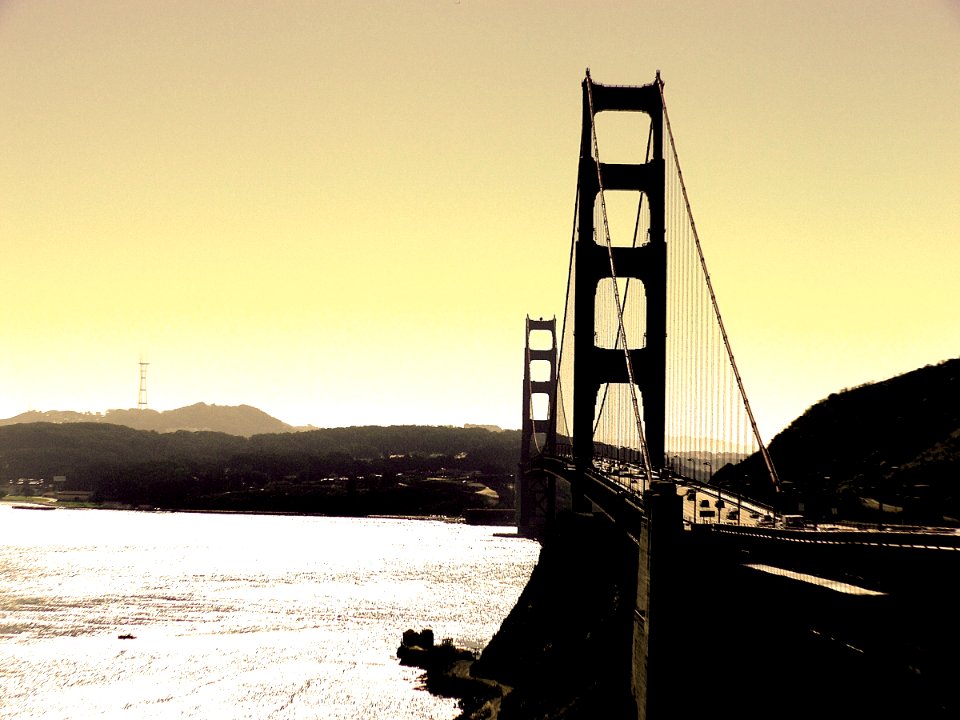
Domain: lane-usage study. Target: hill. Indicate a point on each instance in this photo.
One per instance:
(412, 470)
(240, 420)
(890, 447)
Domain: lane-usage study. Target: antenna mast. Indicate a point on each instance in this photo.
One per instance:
(142, 396)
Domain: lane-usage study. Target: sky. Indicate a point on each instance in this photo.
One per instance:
(341, 213)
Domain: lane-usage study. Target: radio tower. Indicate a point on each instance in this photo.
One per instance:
(142, 397)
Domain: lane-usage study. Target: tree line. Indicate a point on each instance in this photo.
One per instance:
(393, 469)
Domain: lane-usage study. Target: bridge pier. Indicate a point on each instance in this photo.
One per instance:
(536, 501)
(650, 543)
(655, 666)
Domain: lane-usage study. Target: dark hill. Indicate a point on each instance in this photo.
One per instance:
(234, 420)
(414, 470)
(895, 443)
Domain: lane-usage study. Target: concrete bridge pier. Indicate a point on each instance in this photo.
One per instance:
(536, 501)
(656, 670)
(645, 550)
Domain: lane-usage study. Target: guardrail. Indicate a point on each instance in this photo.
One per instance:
(933, 539)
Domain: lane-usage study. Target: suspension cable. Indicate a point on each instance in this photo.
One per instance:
(713, 298)
(567, 433)
(563, 329)
(616, 291)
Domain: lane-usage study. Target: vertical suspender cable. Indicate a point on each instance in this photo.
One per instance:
(713, 300)
(563, 332)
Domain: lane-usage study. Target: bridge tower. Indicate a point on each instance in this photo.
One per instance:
(594, 262)
(536, 490)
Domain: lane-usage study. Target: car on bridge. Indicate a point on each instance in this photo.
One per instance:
(795, 522)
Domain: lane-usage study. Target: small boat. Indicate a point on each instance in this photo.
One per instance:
(127, 636)
(34, 507)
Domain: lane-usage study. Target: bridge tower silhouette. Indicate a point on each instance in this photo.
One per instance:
(627, 399)
(645, 366)
(536, 493)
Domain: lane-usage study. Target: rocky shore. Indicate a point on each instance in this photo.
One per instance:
(559, 653)
(447, 672)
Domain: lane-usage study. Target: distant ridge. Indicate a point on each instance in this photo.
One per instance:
(491, 428)
(241, 420)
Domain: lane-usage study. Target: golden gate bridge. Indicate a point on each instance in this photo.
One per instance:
(634, 403)
(643, 372)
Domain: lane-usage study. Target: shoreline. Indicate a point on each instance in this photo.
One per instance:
(448, 672)
(551, 659)
(54, 503)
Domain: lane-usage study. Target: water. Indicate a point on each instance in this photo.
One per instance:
(238, 616)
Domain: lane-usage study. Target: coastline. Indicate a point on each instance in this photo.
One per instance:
(54, 503)
(558, 653)
(448, 672)
(25, 500)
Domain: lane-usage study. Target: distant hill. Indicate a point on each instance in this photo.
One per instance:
(241, 420)
(490, 428)
(895, 443)
(405, 470)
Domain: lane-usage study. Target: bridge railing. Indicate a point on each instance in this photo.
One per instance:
(622, 472)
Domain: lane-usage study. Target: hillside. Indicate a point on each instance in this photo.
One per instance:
(240, 420)
(894, 444)
(342, 471)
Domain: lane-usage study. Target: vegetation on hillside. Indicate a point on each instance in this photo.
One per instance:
(343, 471)
(883, 452)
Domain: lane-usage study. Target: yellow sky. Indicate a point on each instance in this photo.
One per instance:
(341, 212)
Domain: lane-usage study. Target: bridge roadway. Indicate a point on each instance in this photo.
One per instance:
(702, 503)
(842, 557)
(867, 559)
(708, 505)
(833, 621)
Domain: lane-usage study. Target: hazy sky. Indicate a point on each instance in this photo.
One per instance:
(341, 212)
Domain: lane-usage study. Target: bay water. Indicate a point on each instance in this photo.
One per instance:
(115, 614)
